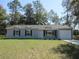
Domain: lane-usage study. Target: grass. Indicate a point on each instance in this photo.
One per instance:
(36, 49)
(29, 49)
(2, 37)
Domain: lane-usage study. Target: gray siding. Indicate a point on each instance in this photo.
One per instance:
(9, 33)
(65, 34)
(61, 34)
(35, 34)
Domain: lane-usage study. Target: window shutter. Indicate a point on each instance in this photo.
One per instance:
(13, 32)
(31, 32)
(44, 32)
(55, 33)
(19, 32)
(25, 32)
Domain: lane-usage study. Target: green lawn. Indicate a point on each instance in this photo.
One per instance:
(36, 49)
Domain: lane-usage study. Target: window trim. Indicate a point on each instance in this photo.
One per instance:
(52, 31)
(14, 32)
(30, 34)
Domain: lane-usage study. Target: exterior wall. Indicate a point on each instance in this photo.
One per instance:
(37, 33)
(61, 34)
(9, 33)
(53, 34)
(49, 37)
(64, 34)
(23, 34)
(16, 36)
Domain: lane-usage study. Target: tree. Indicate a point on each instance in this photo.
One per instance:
(2, 14)
(14, 6)
(72, 6)
(22, 20)
(29, 14)
(40, 14)
(14, 20)
(68, 22)
(2, 19)
(66, 4)
(53, 17)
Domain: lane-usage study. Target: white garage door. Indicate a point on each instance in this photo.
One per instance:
(65, 34)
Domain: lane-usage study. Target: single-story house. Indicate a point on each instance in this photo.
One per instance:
(39, 31)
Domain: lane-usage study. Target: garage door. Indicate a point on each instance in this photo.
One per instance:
(64, 34)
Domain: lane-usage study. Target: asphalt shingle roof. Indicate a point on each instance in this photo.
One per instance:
(40, 27)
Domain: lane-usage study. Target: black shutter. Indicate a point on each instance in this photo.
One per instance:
(25, 32)
(55, 33)
(19, 32)
(44, 32)
(13, 32)
(31, 32)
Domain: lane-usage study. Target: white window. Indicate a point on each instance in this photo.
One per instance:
(28, 32)
(49, 33)
(16, 32)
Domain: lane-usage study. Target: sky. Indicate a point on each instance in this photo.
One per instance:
(56, 5)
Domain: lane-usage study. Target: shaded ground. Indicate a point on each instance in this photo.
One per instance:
(70, 51)
(76, 37)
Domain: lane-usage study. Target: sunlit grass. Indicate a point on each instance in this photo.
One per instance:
(29, 49)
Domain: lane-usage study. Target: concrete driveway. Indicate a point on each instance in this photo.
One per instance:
(76, 42)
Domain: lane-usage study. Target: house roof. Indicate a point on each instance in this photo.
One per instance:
(39, 27)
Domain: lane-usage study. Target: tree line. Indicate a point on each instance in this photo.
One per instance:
(30, 14)
(72, 12)
(35, 14)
